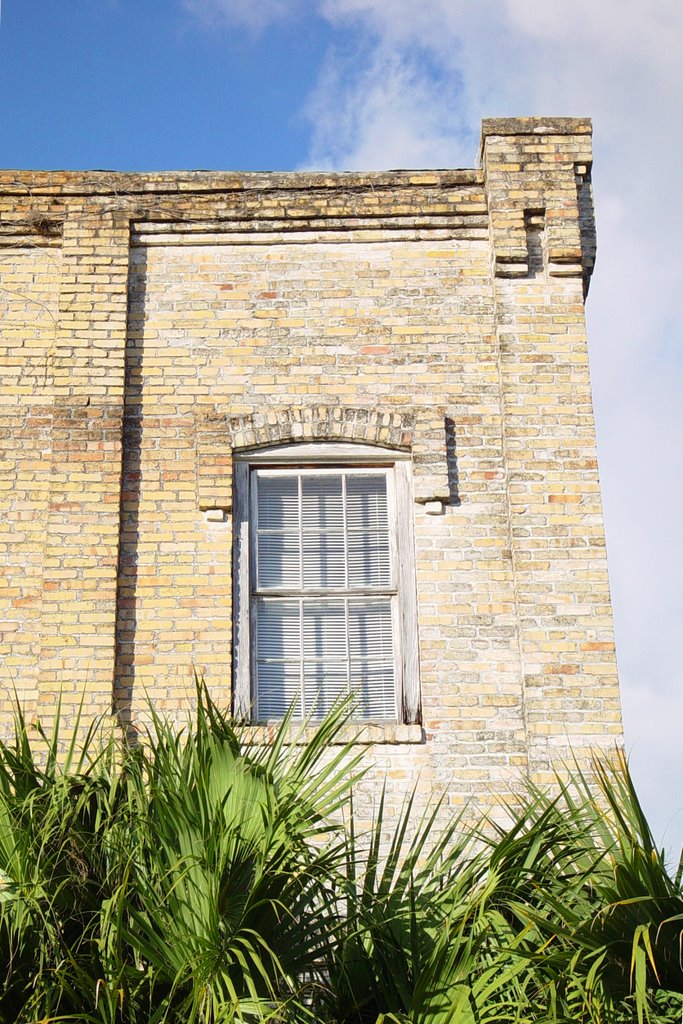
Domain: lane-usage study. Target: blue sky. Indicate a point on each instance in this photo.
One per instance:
(145, 85)
(369, 84)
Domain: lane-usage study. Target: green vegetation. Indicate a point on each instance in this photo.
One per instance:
(195, 879)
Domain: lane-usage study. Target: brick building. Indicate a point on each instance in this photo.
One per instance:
(305, 432)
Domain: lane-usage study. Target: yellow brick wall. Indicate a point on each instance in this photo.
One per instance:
(29, 299)
(153, 323)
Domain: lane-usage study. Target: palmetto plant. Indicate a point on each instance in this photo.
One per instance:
(184, 880)
(579, 871)
(422, 942)
(195, 878)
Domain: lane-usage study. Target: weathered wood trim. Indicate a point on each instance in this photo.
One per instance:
(407, 592)
(241, 604)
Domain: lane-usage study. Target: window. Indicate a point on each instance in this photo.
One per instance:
(324, 583)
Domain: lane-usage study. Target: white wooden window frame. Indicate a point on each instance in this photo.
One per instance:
(317, 458)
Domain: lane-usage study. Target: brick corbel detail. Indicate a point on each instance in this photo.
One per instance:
(218, 436)
(539, 167)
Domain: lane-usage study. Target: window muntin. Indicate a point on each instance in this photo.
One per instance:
(322, 529)
(322, 540)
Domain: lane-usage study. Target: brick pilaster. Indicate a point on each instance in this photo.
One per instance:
(82, 528)
(542, 253)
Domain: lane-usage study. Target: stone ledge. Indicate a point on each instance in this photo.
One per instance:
(117, 183)
(372, 734)
(535, 126)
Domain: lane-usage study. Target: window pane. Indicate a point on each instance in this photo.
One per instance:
(370, 633)
(321, 502)
(279, 563)
(366, 498)
(278, 686)
(325, 630)
(278, 629)
(372, 684)
(324, 560)
(369, 559)
(278, 652)
(323, 685)
(278, 502)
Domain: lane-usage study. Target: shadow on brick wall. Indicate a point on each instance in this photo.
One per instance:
(452, 462)
(126, 598)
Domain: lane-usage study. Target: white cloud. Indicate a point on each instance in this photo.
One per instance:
(383, 111)
(529, 56)
(620, 30)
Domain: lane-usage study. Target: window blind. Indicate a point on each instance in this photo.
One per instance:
(324, 538)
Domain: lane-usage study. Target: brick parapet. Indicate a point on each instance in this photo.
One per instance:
(196, 207)
(59, 185)
(537, 174)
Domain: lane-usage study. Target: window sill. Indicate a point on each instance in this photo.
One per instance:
(367, 734)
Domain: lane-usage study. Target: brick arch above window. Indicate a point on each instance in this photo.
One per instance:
(322, 423)
(418, 431)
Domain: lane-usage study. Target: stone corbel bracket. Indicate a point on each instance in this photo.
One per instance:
(219, 436)
(540, 166)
